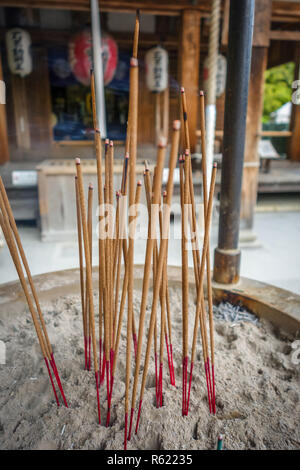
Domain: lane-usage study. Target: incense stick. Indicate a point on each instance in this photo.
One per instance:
(8, 232)
(209, 287)
(161, 151)
(88, 274)
(133, 113)
(90, 230)
(201, 278)
(161, 259)
(80, 255)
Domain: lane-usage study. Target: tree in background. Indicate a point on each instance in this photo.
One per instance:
(278, 88)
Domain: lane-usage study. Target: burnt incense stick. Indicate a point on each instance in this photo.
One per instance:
(161, 260)
(90, 232)
(8, 235)
(88, 274)
(133, 114)
(167, 299)
(124, 292)
(81, 270)
(161, 151)
(101, 243)
(183, 255)
(111, 249)
(10, 218)
(201, 278)
(148, 191)
(209, 287)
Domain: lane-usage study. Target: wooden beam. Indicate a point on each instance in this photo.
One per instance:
(189, 66)
(254, 112)
(163, 7)
(278, 35)
(4, 149)
(294, 147)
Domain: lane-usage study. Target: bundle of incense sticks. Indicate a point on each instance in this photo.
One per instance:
(116, 249)
(116, 237)
(13, 240)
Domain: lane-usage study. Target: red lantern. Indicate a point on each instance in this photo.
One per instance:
(80, 57)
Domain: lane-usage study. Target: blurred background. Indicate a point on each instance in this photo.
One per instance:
(46, 121)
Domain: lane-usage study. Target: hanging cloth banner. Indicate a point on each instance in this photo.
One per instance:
(80, 57)
(157, 61)
(18, 44)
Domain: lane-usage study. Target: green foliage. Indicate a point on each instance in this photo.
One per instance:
(278, 88)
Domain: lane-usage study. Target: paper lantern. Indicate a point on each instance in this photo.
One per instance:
(18, 44)
(220, 75)
(80, 57)
(157, 61)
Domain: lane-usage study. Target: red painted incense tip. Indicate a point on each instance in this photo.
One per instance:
(53, 365)
(130, 425)
(201, 93)
(156, 380)
(125, 434)
(111, 144)
(172, 362)
(215, 165)
(214, 390)
(127, 155)
(169, 359)
(51, 380)
(98, 400)
(184, 385)
(160, 384)
(106, 141)
(182, 89)
(89, 364)
(85, 353)
(210, 385)
(103, 367)
(139, 183)
(77, 161)
(91, 186)
(207, 386)
(138, 417)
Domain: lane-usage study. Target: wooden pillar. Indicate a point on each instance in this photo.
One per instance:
(261, 41)
(189, 66)
(294, 145)
(4, 150)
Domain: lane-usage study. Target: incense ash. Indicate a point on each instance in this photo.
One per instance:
(258, 400)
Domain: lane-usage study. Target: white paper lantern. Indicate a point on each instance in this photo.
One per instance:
(18, 44)
(220, 75)
(157, 61)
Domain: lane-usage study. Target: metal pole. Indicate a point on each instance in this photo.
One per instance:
(210, 110)
(98, 67)
(227, 254)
